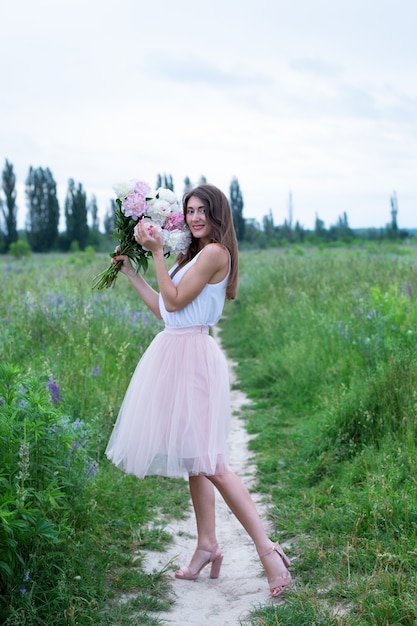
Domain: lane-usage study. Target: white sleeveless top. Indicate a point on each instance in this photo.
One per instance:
(204, 310)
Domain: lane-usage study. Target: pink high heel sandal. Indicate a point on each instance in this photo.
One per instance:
(278, 584)
(215, 557)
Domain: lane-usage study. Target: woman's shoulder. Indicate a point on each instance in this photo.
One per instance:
(215, 262)
(215, 252)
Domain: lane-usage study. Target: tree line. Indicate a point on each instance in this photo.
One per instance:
(41, 230)
(82, 228)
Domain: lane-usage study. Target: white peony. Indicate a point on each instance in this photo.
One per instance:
(122, 190)
(176, 241)
(167, 195)
(159, 210)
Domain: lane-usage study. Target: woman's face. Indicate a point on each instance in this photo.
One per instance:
(196, 217)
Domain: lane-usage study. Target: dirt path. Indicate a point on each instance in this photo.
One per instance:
(242, 584)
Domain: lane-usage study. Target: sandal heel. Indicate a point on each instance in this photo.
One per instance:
(215, 566)
(215, 557)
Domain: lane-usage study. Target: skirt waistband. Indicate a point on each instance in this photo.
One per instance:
(186, 330)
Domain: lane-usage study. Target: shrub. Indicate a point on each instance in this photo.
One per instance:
(20, 249)
(44, 471)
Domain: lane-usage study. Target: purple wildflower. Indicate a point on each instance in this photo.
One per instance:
(24, 456)
(408, 289)
(95, 370)
(92, 468)
(54, 389)
(78, 444)
(23, 590)
(343, 330)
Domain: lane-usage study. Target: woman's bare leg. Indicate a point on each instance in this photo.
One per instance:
(203, 499)
(207, 550)
(239, 500)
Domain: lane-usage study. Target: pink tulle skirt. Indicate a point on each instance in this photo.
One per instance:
(174, 419)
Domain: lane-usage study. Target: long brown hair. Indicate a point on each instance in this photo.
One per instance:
(219, 216)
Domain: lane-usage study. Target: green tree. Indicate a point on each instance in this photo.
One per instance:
(299, 232)
(9, 208)
(187, 184)
(341, 231)
(109, 221)
(320, 229)
(164, 181)
(236, 203)
(43, 210)
(268, 225)
(93, 209)
(287, 231)
(76, 214)
(2, 244)
(392, 229)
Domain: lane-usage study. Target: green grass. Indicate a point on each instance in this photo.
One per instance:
(70, 540)
(326, 349)
(325, 342)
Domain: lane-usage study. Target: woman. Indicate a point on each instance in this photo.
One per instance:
(175, 415)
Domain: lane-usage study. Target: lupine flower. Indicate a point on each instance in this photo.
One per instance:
(24, 460)
(408, 288)
(343, 330)
(54, 389)
(78, 444)
(92, 468)
(95, 370)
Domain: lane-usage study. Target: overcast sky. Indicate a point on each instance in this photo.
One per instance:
(313, 98)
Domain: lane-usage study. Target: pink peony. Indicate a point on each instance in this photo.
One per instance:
(174, 220)
(135, 204)
(143, 188)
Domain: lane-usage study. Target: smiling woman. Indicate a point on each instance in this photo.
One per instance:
(174, 420)
(196, 218)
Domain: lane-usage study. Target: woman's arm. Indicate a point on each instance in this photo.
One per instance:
(211, 266)
(149, 296)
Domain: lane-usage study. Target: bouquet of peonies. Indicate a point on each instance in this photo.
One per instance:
(137, 201)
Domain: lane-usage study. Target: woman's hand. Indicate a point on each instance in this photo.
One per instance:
(146, 292)
(126, 267)
(148, 236)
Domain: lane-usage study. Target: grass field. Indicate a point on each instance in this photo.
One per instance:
(325, 342)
